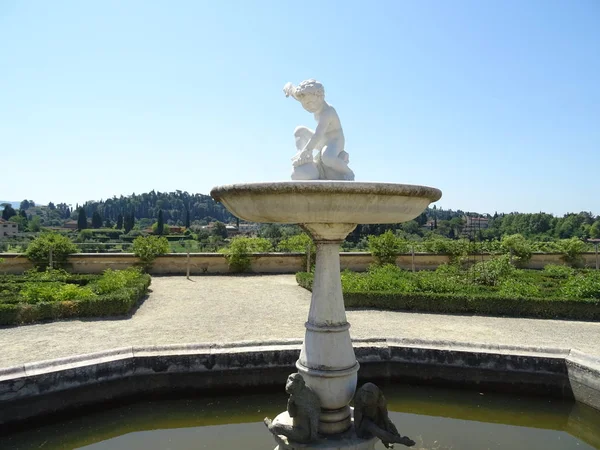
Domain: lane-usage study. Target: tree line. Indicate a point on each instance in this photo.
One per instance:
(182, 208)
(178, 208)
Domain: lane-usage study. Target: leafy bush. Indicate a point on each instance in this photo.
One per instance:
(434, 283)
(47, 275)
(113, 280)
(518, 289)
(240, 248)
(299, 243)
(147, 248)
(296, 243)
(571, 250)
(39, 249)
(380, 278)
(490, 273)
(33, 292)
(519, 247)
(85, 235)
(585, 285)
(558, 271)
(386, 247)
(457, 249)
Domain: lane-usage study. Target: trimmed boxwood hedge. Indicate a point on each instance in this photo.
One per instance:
(115, 303)
(492, 305)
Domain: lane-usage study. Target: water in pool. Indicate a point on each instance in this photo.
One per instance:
(437, 419)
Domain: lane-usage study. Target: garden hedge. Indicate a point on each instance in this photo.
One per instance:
(491, 305)
(118, 302)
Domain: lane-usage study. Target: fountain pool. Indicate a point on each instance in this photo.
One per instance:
(437, 418)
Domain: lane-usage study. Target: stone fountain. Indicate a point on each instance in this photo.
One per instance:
(326, 203)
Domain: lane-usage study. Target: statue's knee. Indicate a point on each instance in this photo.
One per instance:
(302, 132)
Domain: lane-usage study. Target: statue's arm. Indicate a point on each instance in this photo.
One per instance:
(288, 89)
(320, 131)
(292, 408)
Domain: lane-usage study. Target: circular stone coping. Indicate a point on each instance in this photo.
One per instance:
(326, 186)
(253, 363)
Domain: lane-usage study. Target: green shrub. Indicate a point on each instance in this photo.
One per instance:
(584, 285)
(490, 273)
(53, 300)
(39, 249)
(456, 249)
(518, 293)
(379, 278)
(9, 313)
(519, 247)
(113, 280)
(33, 292)
(298, 243)
(448, 270)
(47, 275)
(434, 283)
(386, 247)
(305, 280)
(147, 248)
(518, 289)
(558, 271)
(239, 251)
(85, 235)
(571, 250)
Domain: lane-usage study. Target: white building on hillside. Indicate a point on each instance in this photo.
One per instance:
(8, 229)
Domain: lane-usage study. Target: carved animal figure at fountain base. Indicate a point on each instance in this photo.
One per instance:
(304, 409)
(371, 418)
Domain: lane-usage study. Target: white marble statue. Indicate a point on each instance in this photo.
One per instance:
(331, 161)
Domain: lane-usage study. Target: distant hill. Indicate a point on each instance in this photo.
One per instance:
(13, 204)
(176, 207)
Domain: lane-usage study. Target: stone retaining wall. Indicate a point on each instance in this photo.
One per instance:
(176, 263)
(51, 386)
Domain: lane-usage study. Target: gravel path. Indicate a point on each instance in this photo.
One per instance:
(234, 308)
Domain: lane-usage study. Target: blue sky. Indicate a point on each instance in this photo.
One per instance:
(497, 103)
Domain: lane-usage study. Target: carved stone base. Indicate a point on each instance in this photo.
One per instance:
(343, 441)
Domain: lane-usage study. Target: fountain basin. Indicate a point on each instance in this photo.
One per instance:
(346, 202)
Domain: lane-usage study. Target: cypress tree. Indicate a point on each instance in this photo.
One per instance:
(119, 221)
(128, 222)
(81, 220)
(187, 218)
(160, 227)
(96, 220)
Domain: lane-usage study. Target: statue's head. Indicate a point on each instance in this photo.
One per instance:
(294, 384)
(311, 94)
(369, 394)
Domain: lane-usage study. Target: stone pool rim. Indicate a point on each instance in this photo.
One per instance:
(37, 389)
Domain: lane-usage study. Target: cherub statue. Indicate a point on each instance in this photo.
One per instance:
(304, 407)
(371, 417)
(331, 161)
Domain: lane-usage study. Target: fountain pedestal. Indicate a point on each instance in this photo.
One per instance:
(327, 361)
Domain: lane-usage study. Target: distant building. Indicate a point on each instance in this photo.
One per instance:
(8, 229)
(473, 225)
(71, 225)
(477, 222)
